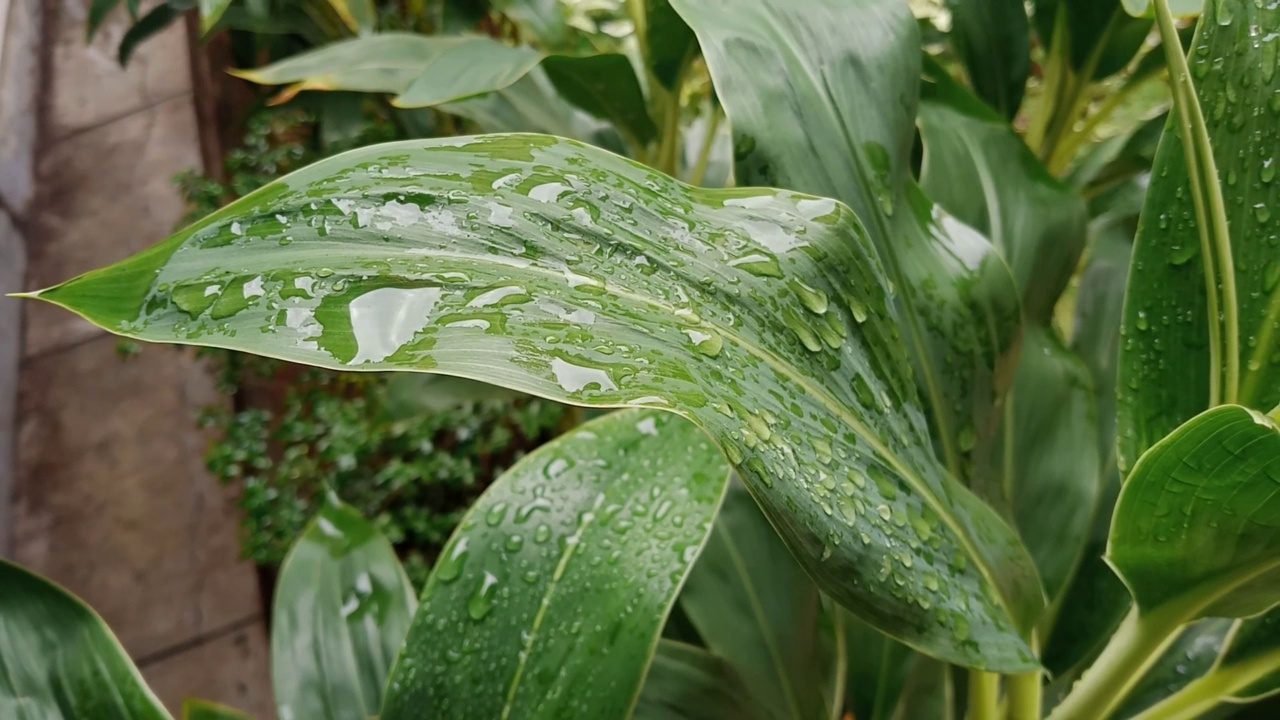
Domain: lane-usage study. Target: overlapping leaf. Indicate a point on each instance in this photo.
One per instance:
(822, 98)
(563, 271)
(993, 38)
(1165, 363)
(549, 599)
(59, 659)
(341, 611)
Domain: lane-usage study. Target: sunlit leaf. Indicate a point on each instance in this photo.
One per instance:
(549, 599)
(341, 611)
(1165, 362)
(59, 659)
(563, 271)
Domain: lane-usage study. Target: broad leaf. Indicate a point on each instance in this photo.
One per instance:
(549, 599)
(690, 683)
(669, 42)
(833, 115)
(1209, 484)
(341, 611)
(1165, 362)
(752, 604)
(59, 659)
(993, 39)
(566, 272)
(605, 86)
(205, 710)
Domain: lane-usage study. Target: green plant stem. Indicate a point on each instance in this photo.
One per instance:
(984, 696)
(1026, 692)
(704, 153)
(1211, 219)
(1204, 693)
(1136, 643)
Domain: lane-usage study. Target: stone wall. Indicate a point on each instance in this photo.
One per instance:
(109, 495)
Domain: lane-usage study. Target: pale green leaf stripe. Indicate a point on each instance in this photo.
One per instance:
(563, 271)
(549, 600)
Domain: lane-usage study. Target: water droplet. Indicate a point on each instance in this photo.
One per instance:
(514, 543)
(450, 566)
(542, 533)
(481, 601)
(1262, 212)
(812, 298)
(708, 343)
(496, 514)
(884, 512)
(758, 264)
(1141, 321)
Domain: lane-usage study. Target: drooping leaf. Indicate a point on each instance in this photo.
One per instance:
(669, 41)
(834, 115)
(566, 272)
(606, 87)
(360, 16)
(752, 604)
(151, 24)
(341, 611)
(60, 661)
(1165, 364)
(549, 599)
(1210, 484)
(193, 709)
(993, 39)
(210, 12)
(98, 11)
(690, 683)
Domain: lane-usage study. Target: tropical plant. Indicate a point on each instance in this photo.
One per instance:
(878, 350)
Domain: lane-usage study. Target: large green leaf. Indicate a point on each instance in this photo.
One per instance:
(563, 271)
(1196, 531)
(423, 71)
(549, 599)
(822, 99)
(993, 39)
(690, 683)
(752, 604)
(341, 611)
(58, 659)
(1165, 365)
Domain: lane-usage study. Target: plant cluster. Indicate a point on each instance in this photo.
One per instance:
(974, 491)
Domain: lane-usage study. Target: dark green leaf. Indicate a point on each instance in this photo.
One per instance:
(669, 41)
(151, 24)
(605, 86)
(98, 11)
(690, 683)
(204, 710)
(1102, 38)
(341, 611)
(834, 115)
(1196, 531)
(752, 604)
(878, 670)
(1165, 364)
(531, 104)
(58, 659)
(549, 599)
(929, 693)
(566, 272)
(1255, 642)
(1190, 656)
(993, 39)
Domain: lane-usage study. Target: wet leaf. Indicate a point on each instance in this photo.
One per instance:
(1209, 484)
(1191, 655)
(549, 599)
(204, 710)
(60, 661)
(993, 39)
(834, 115)
(341, 611)
(752, 604)
(562, 271)
(1165, 363)
(690, 683)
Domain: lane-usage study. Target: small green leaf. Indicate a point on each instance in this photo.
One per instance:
(1209, 484)
(993, 39)
(59, 659)
(1166, 360)
(342, 607)
(690, 683)
(153, 23)
(193, 709)
(549, 599)
(566, 272)
(752, 604)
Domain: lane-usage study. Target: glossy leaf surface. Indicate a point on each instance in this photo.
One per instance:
(549, 599)
(563, 271)
(834, 115)
(1165, 358)
(341, 611)
(59, 659)
(993, 39)
(752, 604)
(1209, 484)
(690, 683)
